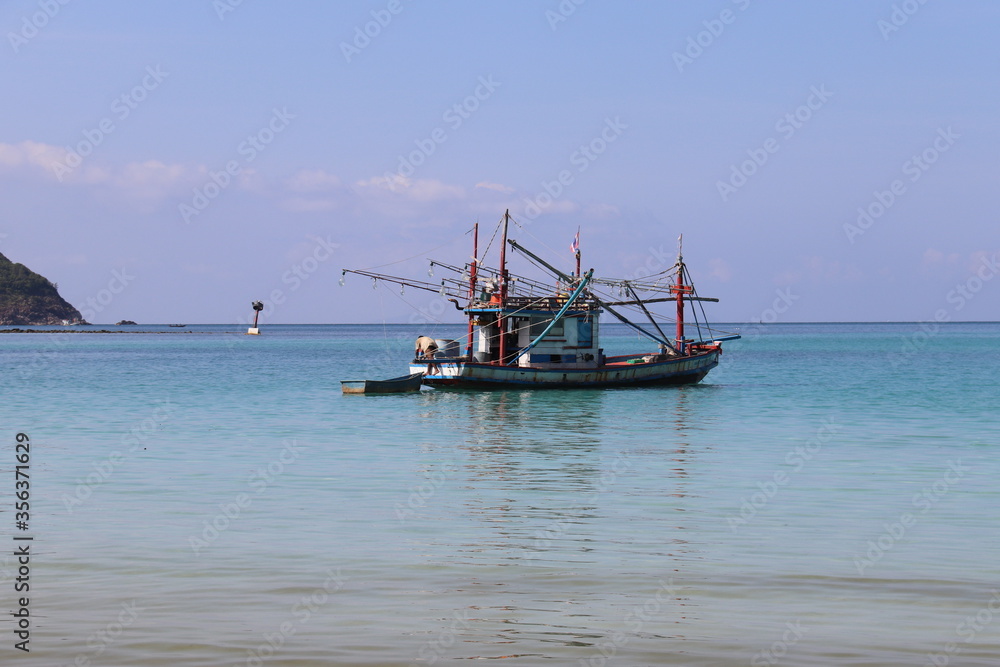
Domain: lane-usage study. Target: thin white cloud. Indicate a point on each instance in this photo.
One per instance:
(486, 185)
(50, 162)
(306, 191)
(601, 211)
(31, 154)
(934, 259)
(819, 270)
(151, 179)
(982, 258)
(720, 270)
(932, 256)
(313, 180)
(306, 205)
(148, 179)
(557, 206)
(419, 190)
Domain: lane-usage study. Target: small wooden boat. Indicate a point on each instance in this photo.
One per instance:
(400, 385)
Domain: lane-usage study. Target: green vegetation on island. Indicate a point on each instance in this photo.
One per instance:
(29, 298)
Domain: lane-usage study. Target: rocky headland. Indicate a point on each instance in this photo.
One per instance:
(29, 298)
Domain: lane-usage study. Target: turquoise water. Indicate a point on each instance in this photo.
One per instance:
(828, 495)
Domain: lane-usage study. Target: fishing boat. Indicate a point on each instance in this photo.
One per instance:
(517, 339)
(400, 385)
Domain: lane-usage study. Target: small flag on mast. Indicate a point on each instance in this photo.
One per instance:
(574, 247)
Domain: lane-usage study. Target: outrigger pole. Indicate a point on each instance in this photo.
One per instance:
(625, 320)
(603, 304)
(646, 310)
(559, 274)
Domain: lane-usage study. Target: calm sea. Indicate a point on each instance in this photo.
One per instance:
(830, 494)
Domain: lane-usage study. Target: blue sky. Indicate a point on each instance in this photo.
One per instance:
(172, 161)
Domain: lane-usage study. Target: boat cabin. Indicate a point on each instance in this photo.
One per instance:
(572, 341)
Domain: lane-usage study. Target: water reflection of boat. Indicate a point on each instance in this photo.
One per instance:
(517, 339)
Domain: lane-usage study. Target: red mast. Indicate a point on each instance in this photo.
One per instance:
(501, 321)
(472, 283)
(680, 288)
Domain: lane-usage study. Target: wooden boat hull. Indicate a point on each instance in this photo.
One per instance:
(463, 374)
(401, 385)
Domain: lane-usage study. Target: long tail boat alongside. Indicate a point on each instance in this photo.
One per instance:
(401, 385)
(516, 339)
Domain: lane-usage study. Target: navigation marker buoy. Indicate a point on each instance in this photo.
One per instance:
(257, 307)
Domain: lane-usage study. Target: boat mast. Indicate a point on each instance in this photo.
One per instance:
(472, 283)
(680, 295)
(578, 274)
(501, 321)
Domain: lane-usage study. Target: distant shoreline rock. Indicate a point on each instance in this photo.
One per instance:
(27, 298)
(125, 323)
(60, 332)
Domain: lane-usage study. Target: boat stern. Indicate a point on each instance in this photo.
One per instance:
(438, 371)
